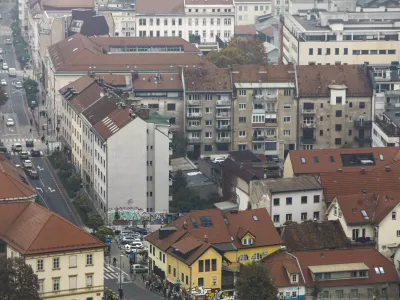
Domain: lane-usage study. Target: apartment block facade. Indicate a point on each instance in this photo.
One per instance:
(322, 37)
(248, 11)
(265, 115)
(208, 110)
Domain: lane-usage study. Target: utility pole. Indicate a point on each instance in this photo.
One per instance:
(120, 290)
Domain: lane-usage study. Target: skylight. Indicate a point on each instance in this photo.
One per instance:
(364, 213)
(226, 220)
(206, 221)
(194, 222)
(303, 160)
(381, 270)
(255, 218)
(377, 270)
(381, 156)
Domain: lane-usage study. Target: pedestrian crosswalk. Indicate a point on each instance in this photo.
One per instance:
(18, 140)
(110, 273)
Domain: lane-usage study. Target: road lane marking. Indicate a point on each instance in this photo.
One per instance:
(51, 190)
(40, 168)
(41, 182)
(39, 189)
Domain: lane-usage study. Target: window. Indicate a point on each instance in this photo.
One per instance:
(41, 286)
(321, 132)
(286, 119)
(56, 263)
(248, 241)
(174, 272)
(319, 51)
(316, 198)
(294, 278)
(316, 159)
(242, 106)
(208, 135)
(354, 293)
(183, 277)
(276, 218)
(200, 281)
(338, 141)
(56, 284)
(72, 261)
(163, 258)
(398, 233)
(338, 127)
(243, 257)
(328, 51)
(242, 119)
(187, 280)
(214, 265)
(362, 104)
(89, 259)
(338, 113)
(336, 51)
(345, 51)
(286, 132)
(316, 215)
(242, 92)
(276, 201)
(89, 280)
(393, 215)
(256, 256)
(242, 133)
(350, 132)
(339, 294)
(169, 269)
(303, 216)
(201, 265)
(338, 100)
(207, 265)
(287, 106)
(171, 106)
(288, 217)
(310, 51)
(303, 199)
(40, 265)
(289, 200)
(287, 92)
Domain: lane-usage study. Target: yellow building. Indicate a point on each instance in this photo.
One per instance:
(68, 261)
(194, 249)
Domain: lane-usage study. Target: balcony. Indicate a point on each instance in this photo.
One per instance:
(362, 140)
(194, 102)
(308, 125)
(223, 115)
(271, 123)
(224, 102)
(395, 93)
(224, 139)
(388, 128)
(193, 115)
(363, 124)
(193, 127)
(223, 127)
(309, 111)
(258, 110)
(194, 140)
(265, 97)
(307, 141)
(171, 152)
(229, 13)
(170, 135)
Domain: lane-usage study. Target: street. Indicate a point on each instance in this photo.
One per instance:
(48, 187)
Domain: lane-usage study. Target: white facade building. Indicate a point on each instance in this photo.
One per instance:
(247, 11)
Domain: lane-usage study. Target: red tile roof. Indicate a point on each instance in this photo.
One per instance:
(164, 83)
(245, 30)
(32, 229)
(115, 79)
(376, 207)
(13, 183)
(155, 7)
(207, 79)
(255, 73)
(192, 254)
(113, 122)
(186, 244)
(314, 81)
(268, 31)
(369, 256)
(325, 163)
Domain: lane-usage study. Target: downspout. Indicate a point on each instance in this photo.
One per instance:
(298, 106)
(232, 109)
(298, 264)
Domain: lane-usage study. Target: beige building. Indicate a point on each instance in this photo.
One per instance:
(322, 37)
(208, 110)
(334, 107)
(265, 110)
(68, 261)
(248, 11)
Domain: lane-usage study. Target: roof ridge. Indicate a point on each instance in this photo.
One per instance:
(15, 219)
(17, 183)
(38, 233)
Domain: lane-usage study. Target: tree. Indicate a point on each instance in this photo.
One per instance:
(103, 232)
(179, 144)
(95, 222)
(179, 182)
(184, 200)
(240, 51)
(255, 282)
(31, 86)
(17, 280)
(315, 290)
(116, 215)
(3, 96)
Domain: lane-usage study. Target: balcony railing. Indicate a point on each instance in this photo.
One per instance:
(265, 97)
(308, 125)
(224, 102)
(309, 111)
(223, 115)
(194, 115)
(307, 141)
(258, 110)
(193, 127)
(271, 123)
(224, 139)
(362, 140)
(194, 102)
(389, 129)
(223, 127)
(363, 124)
(393, 93)
(194, 140)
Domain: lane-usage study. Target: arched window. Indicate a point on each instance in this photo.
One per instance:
(243, 257)
(256, 256)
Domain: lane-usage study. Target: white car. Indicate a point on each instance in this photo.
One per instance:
(5, 66)
(1, 51)
(27, 163)
(18, 85)
(8, 42)
(10, 122)
(218, 159)
(16, 147)
(3, 82)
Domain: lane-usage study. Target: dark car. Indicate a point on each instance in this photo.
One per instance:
(24, 155)
(32, 173)
(35, 153)
(29, 143)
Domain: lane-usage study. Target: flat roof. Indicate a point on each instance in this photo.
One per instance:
(195, 178)
(394, 115)
(182, 164)
(300, 183)
(339, 267)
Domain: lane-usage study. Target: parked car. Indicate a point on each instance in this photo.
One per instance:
(10, 122)
(218, 159)
(139, 269)
(16, 147)
(29, 143)
(24, 155)
(35, 153)
(27, 163)
(32, 173)
(1, 51)
(18, 85)
(5, 66)
(8, 41)
(3, 82)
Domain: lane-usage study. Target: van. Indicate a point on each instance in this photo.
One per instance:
(12, 72)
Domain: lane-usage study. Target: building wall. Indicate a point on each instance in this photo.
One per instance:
(67, 270)
(263, 251)
(247, 12)
(287, 133)
(288, 168)
(381, 139)
(157, 259)
(287, 292)
(125, 23)
(101, 170)
(388, 231)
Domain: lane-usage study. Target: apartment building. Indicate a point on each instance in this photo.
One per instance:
(122, 153)
(202, 20)
(247, 12)
(265, 110)
(322, 37)
(334, 107)
(74, 57)
(208, 110)
(68, 261)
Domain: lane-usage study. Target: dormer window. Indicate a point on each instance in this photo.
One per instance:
(294, 278)
(248, 241)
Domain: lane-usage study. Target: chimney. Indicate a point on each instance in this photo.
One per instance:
(144, 113)
(184, 226)
(206, 238)
(363, 172)
(388, 169)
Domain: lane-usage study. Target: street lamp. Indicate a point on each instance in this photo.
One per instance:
(120, 290)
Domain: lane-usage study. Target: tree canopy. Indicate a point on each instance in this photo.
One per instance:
(95, 222)
(255, 282)
(3, 96)
(17, 280)
(240, 51)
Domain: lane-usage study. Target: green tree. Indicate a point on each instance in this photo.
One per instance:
(103, 232)
(240, 51)
(3, 96)
(82, 205)
(116, 215)
(17, 280)
(179, 144)
(179, 182)
(255, 282)
(315, 290)
(185, 200)
(95, 222)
